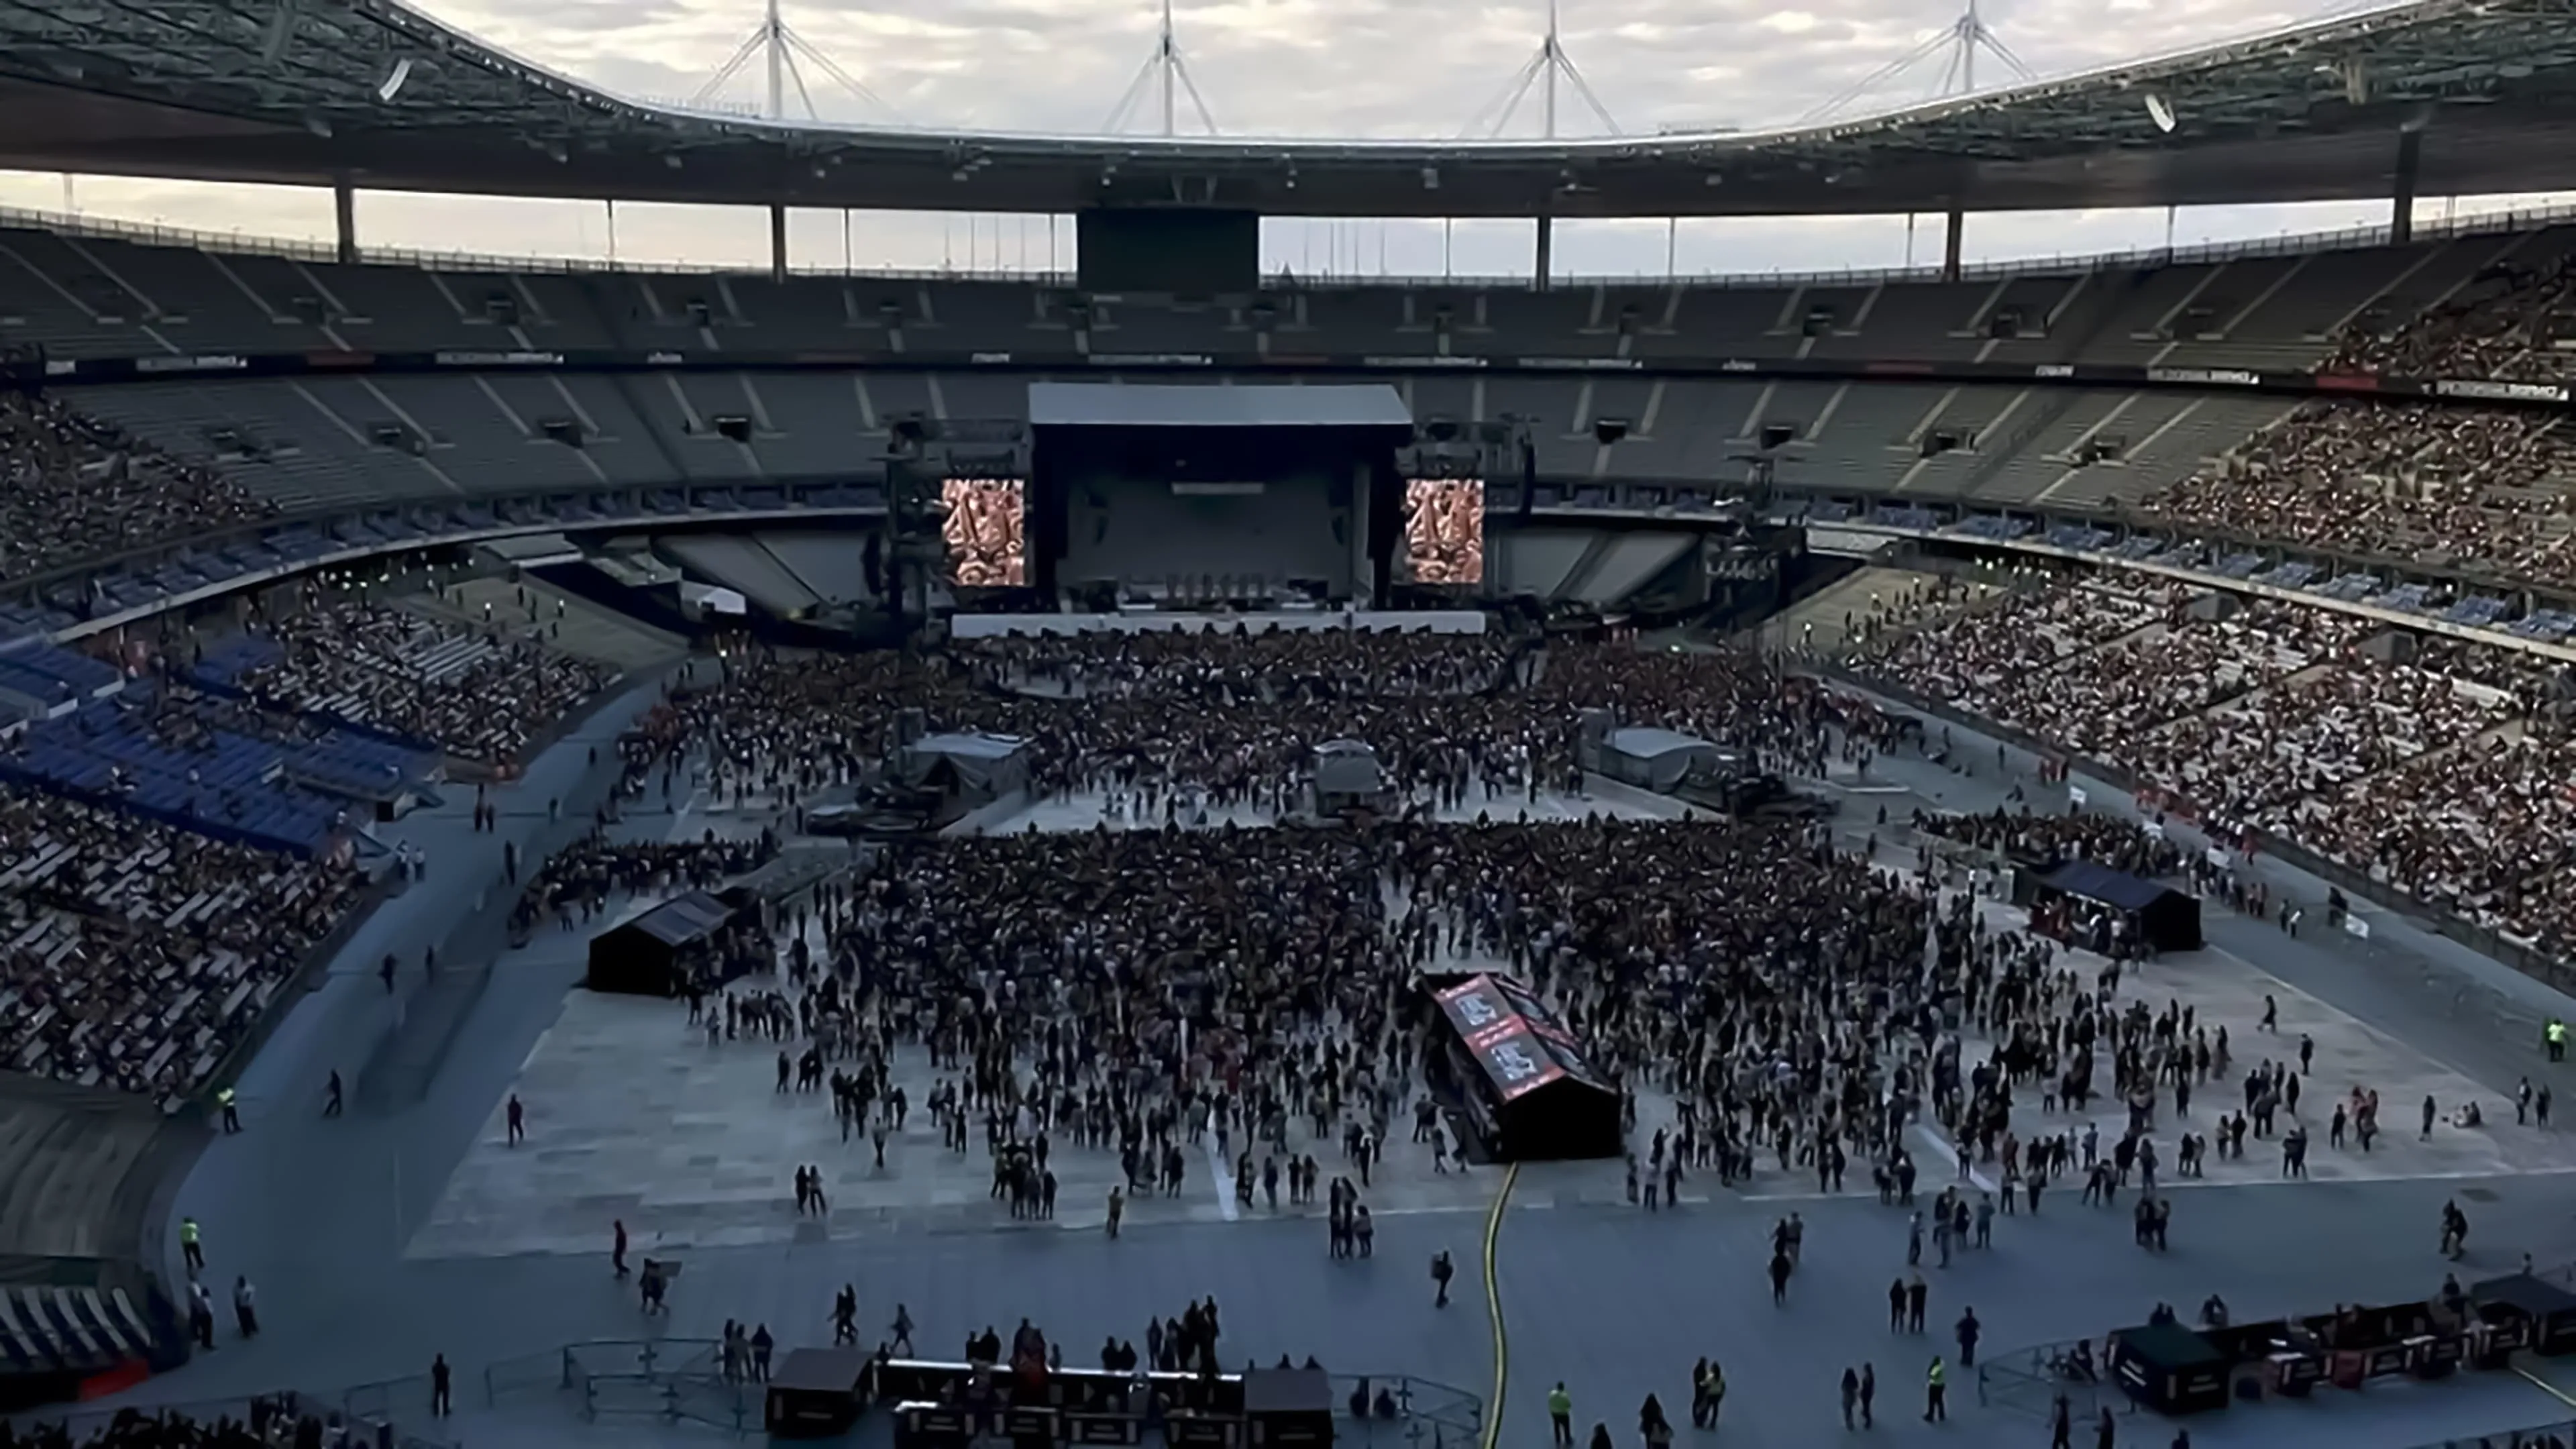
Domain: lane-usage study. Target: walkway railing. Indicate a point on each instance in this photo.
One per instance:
(2429, 229)
(1431, 1415)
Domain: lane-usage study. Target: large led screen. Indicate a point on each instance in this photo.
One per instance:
(1444, 530)
(987, 541)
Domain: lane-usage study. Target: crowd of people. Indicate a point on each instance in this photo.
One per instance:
(74, 489)
(577, 884)
(2078, 834)
(136, 954)
(2099, 666)
(1228, 718)
(1227, 667)
(275, 1421)
(2437, 767)
(481, 696)
(2497, 326)
(2490, 489)
(133, 955)
(1124, 987)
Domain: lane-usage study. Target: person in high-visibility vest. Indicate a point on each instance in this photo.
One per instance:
(232, 1113)
(190, 1247)
(1936, 1394)
(2555, 1035)
(1560, 1413)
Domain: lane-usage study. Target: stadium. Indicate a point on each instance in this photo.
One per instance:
(1007, 800)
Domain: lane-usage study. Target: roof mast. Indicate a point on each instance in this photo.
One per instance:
(1542, 71)
(779, 46)
(1955, 45)
(1165, 74)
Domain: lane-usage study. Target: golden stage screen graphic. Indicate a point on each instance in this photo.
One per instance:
(1444, 530)
(983, 530)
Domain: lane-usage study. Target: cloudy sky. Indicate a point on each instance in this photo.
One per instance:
(1276, 67)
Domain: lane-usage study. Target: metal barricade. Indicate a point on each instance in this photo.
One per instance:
(530, 1376)
(2028, 1381)
(1426, 1414)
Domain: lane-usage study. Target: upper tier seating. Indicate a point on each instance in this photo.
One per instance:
(112, 297)
(73, 489)
(2483, 490)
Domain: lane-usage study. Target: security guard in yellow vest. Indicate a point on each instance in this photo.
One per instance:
(1936, 1394)
(2555, 1035)
(190, 1247)
(232, 1113)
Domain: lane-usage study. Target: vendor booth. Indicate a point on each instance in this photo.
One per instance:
(2099, 903)
(1524, 1083)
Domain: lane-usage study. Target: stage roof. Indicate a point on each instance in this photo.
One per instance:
(373, 92)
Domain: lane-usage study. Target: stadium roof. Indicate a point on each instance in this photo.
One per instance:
(371, 92)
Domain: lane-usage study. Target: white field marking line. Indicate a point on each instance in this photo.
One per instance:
(1220, 1177)
(1943, 1148)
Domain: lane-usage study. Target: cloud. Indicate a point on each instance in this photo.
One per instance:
(1284, 67)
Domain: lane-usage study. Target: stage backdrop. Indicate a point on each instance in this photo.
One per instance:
(1130, 530)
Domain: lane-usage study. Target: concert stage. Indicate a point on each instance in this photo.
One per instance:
(1216, 492)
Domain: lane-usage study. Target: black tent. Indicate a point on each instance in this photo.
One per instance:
(1522, 1078)
(2550, 1309)
(650, 955)
(2169, 1368)
(2161, 916)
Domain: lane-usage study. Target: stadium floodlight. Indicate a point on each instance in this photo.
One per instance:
(394, 80)
(2160, 111)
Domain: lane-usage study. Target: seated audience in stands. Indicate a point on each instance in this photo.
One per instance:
(2437, 767)
(480, 696)
(2491, 490)
(73, 489)
(135, 956)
